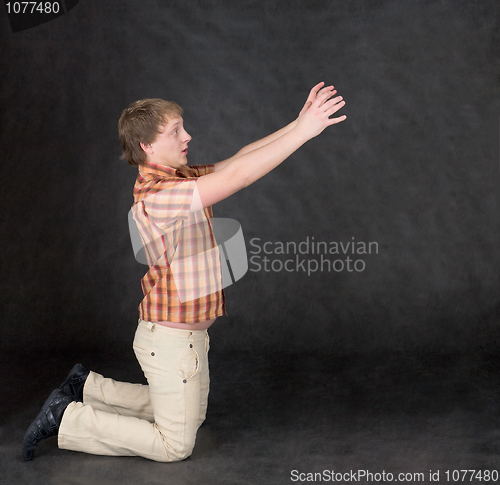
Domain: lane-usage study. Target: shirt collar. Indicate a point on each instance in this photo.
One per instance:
(147, 167)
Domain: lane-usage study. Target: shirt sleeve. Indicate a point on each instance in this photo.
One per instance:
(202, 169)
(171, 203)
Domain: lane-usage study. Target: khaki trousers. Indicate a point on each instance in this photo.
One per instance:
(157, 421)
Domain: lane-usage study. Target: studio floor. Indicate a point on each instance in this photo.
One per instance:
(275, 418)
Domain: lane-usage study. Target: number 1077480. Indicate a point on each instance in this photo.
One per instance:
(32, 7)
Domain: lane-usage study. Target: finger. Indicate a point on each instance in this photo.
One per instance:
(325, 94)
(329, 90)
(335, 100)
(319, 91)
(334, 121)
(328, 99)
(315, 90)
(333, 105)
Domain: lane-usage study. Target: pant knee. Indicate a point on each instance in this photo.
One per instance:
(186, 449)
(177, 451)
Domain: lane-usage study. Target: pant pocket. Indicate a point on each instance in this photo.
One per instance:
(188, 364)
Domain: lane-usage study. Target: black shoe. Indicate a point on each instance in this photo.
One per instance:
(73, 385)
(47, 423)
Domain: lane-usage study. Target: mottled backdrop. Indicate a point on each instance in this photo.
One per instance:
(414, 168)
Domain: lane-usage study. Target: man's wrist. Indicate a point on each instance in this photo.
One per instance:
(299, 134)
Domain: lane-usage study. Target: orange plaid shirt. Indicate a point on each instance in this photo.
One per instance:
(184, 281)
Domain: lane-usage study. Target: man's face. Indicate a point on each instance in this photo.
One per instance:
(170, 146)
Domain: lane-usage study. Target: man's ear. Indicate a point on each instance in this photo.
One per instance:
(147, 148)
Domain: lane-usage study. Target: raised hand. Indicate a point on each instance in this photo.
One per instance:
(315, 115)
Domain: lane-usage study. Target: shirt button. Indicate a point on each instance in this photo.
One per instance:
(190, 346)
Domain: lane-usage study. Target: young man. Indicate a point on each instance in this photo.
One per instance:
(183, 292)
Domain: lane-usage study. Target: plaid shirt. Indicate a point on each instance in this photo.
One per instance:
(184, 281)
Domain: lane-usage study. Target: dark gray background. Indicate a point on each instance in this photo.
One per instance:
(394, 368)
(413, 168)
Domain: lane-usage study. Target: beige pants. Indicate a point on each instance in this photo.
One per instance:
(158, 421)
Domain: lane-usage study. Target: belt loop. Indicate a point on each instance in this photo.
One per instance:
(151, 326)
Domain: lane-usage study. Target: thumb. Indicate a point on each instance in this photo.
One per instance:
(305, 108)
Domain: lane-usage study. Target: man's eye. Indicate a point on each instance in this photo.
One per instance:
(175, 132)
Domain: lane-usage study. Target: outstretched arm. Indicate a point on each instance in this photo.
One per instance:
(273, 136)
(250, 166)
